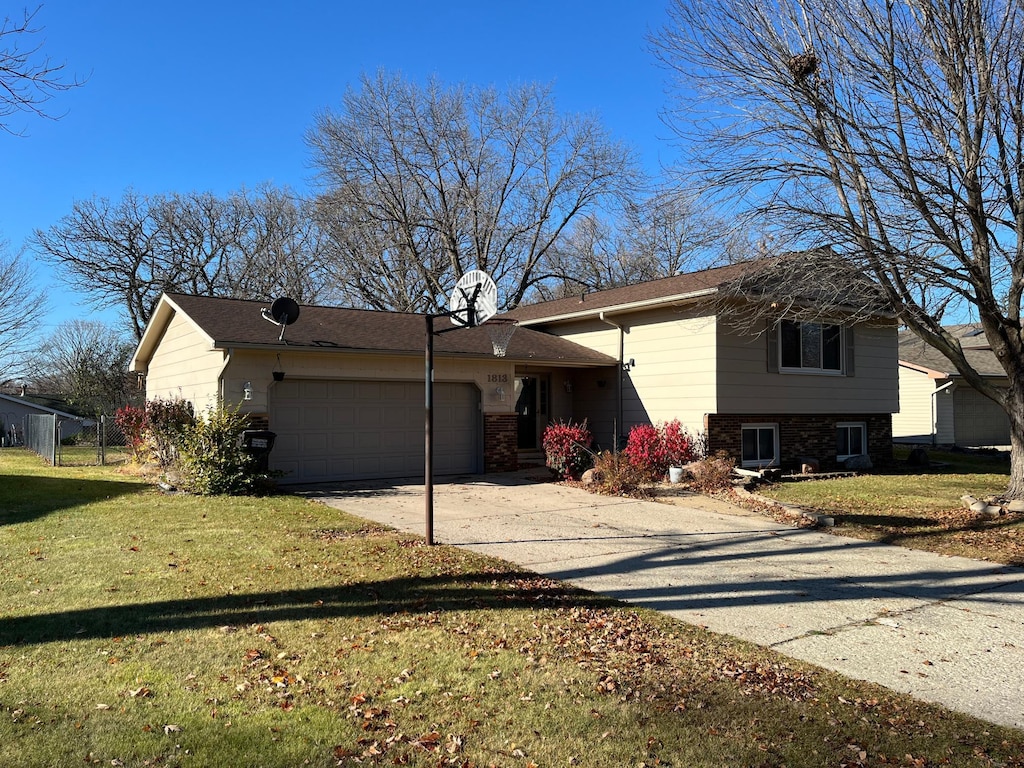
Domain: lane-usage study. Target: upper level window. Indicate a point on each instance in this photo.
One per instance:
(811, 346)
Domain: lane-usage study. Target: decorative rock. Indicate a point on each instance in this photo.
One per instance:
(825, 521)
(590, 477)
(978, 506)
(809, 466)
(858, 463)
(968, 500)
(990, 512)
(918, 458)
(1017, 505)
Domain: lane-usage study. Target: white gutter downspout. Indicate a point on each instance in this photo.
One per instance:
(935, 412)
(220, 375)
(622, 344)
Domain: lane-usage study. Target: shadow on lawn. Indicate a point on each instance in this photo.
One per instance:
(405, 595)
(24, 498)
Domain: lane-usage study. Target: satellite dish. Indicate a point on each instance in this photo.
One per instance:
(476, 289)
(282, 312)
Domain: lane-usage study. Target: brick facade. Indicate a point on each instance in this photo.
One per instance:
(806, 436)
(501, 452)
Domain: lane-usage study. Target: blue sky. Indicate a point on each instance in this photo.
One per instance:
(214, 95)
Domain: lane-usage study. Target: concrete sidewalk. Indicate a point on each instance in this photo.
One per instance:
(944, 629)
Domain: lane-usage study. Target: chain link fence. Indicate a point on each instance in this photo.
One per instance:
(76, 442)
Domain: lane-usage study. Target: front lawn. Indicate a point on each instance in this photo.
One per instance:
(916, 508)
(138, 629)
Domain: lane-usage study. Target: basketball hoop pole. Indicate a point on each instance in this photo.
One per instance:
(428, 425)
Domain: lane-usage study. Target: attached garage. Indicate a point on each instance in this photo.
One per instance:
(362, 429)
(977, 420)
(343, 389)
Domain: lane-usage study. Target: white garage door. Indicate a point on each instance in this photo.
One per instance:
(356, 430)
(977, 420)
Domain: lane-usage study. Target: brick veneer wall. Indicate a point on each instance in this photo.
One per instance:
(501, 440)
(811, 436)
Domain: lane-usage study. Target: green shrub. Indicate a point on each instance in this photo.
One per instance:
(211, 459)
(567, 449)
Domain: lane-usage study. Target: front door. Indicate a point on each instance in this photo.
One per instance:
(526, 408)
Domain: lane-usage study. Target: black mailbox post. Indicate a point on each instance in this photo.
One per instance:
(259, 443)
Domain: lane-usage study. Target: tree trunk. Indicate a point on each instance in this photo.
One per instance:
(1015, 411)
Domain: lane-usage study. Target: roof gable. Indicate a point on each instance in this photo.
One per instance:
(914, 352)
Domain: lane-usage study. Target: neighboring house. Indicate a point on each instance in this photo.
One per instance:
(14, 409)
(350, 400)
(937, 406)
(773, 396)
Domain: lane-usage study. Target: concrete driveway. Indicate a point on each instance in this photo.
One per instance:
(944, 629)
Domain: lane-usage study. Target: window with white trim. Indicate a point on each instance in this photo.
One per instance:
(810, 347)
(759, 445)
(851, 440)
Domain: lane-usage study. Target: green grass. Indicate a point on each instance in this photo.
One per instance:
(919, 509)
(138, 629)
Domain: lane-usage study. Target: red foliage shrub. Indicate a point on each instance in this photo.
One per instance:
(646, 451)
(653, 449)
(567, 448)
(680, 446)
(132, 423)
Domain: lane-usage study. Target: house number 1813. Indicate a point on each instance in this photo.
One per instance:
(493, 378)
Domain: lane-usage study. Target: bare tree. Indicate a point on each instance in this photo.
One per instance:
(22, 301)
(86, 362)
(28, 78)
(585, 258)
(254, 245)
(891, 132)
(663, 234)
(421, 184)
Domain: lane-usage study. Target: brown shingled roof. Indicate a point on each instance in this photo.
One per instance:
(235, 322)
(667, 289)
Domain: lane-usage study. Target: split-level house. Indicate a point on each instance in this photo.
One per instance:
(343, 389)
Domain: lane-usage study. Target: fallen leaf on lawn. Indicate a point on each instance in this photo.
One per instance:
(168, 729)
(427, 741)
(140, 693)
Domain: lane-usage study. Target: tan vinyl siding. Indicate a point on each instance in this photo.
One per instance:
(745, 384)
(674, 372)
(914, 421)
(184, 366)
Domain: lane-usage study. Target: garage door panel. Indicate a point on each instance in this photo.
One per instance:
(978, 420)
(350, 429)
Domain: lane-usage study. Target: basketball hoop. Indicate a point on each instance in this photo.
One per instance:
(500, 332)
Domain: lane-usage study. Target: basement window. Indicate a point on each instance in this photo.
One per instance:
(760, 445)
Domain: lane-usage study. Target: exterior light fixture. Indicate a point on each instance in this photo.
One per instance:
(247, 391)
